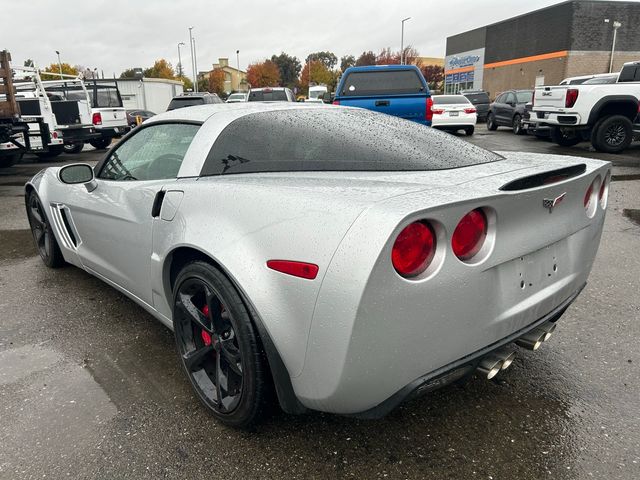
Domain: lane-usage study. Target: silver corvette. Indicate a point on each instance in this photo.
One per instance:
(333, 258)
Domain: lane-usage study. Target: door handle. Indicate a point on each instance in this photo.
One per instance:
(382, 103)
(157, 204)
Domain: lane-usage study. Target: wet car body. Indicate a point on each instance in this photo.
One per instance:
(309, 242)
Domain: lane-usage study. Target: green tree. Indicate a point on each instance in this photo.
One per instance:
(367, 58)
(289, 68)
(128, 73)
(328, 59)
(347, 61)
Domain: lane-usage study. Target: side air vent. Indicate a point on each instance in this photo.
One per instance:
(67, 226)
(545, 178)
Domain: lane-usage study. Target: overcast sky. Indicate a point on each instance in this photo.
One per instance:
(114, 35)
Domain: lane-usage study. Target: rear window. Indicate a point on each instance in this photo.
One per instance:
(334, 139)
(524, 97)
(602, 80)
(185, 102)
(477, 98)
(384, 82)
(107, 97)
(267, 96)
(450, 100)
(630, 73)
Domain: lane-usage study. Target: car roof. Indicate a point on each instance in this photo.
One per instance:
(202, 113)
(371, 68)
(267, 88)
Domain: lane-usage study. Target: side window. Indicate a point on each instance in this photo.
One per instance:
(511, 98)
(155, 152)
(501, 98)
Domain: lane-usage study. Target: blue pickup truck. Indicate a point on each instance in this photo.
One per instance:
(398, 90)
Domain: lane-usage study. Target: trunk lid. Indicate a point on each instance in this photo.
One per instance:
(112, 117)
(550, 97)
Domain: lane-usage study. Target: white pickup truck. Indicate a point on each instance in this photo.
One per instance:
(606, 115)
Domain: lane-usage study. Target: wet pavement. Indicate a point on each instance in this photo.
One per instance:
(90, 386)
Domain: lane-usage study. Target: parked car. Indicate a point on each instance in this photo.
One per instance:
(602, 80)
(607, 115)
(193, 99)
(271, 94)
(453, 112)
(316, 93)
(581, 79)
(133, 114)
(237, 97)
(398, 90)
(508, 109)
(480, 100)
(540, 130)
(330, 253)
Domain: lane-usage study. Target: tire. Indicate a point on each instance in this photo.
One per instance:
(42, 232)
(468, 131)
(612, 134)
(565, 138)
(54, 151)
(225, 344)
(73, 148)
(491, 122)
(9, 160)
(101, 143)
(517, 125)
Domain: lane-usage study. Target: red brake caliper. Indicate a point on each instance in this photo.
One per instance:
(206, 338)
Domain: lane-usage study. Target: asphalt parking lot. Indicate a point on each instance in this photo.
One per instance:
(90, 386)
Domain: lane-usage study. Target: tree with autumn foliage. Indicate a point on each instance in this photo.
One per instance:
(216, 81)
(264, 74)
(161, 69)
(434, 75)
(320, 74)
(367, 58)
(67, 69)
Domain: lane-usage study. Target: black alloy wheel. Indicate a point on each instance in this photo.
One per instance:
(217, 345)
(42, 233)
(612, 134)
(101, 143)
(491, 122)
(517, 125)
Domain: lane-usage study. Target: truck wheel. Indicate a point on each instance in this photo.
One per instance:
(491, 122)
(8, 160)
(517, 125)
(101, 143)
(72, 148)
(564, 137)
(612, 134)
(54, 151)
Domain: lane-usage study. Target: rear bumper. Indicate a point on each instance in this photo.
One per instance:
(556, 118)
(76, 134)
(460, 368)
(110, 132)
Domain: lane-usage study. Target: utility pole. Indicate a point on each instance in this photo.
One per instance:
(238, 68)
(195, 61)
(402, 42)
(59, 63)
(193, 65)
(616, 26)
(180, 72)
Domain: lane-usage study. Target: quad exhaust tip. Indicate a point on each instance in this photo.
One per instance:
(533, 339)
(496, 361)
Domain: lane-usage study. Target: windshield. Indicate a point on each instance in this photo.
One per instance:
(477, 98)
(236, 96)
(524, 97)
(316, 93)
(267, 96)
(185, 102)
(326, 139)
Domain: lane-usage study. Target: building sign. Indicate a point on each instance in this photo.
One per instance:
(454, 61)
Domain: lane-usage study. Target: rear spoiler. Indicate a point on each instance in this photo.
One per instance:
(544, 178)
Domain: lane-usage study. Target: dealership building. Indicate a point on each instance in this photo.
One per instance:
(543, 47)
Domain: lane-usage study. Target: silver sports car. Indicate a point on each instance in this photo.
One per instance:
(337, 258)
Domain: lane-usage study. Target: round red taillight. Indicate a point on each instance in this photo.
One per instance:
(414, 249)
(469, 235)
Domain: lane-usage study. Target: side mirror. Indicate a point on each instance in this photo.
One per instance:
(78, 173)
(326, 97)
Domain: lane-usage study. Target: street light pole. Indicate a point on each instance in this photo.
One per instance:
(180, 71)
(616, 26)
(402, 42)
(195, 61)
(238, 68)
(59, 63)
(193, 65)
